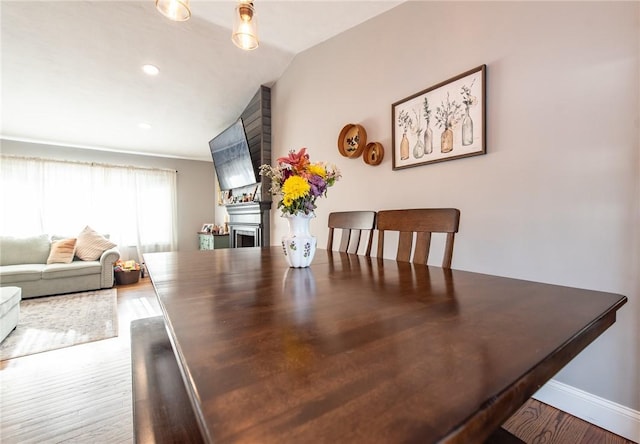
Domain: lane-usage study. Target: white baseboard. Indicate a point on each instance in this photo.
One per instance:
(610, 416)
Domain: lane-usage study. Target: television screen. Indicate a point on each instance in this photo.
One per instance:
(231, 158)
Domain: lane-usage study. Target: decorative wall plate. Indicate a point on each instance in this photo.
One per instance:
(373, 153)
(352, 140)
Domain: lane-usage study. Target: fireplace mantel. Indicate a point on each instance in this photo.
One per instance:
(249, 224)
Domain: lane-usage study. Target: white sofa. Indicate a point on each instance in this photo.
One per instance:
(23, 263)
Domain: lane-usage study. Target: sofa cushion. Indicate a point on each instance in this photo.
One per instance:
(75, 268)
(90, 244)
(62, 251)
(24, 250)
(11, 274)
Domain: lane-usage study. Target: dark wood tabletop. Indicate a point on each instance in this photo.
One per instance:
(357, 349)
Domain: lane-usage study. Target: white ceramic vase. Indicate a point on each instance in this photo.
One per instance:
(299, 245)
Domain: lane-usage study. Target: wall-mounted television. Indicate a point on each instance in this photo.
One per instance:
(231, 158)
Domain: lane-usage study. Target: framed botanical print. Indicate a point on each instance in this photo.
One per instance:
(443, 122)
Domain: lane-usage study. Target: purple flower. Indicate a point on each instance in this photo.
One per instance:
(309, 207)
(318, 185)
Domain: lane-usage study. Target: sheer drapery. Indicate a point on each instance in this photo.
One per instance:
(137, 207)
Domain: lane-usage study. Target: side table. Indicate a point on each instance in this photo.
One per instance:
(209, 241)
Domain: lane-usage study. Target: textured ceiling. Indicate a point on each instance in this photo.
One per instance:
(71, 71)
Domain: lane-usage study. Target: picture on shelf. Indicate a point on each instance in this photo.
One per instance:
(206, 228)
(227, 197)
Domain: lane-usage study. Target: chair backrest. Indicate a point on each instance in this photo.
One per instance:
(352, 224)
(422, 221)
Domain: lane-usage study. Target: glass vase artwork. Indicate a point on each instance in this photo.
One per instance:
(467, 128)
(428, 140)
(404, 147)
(446, 141)
(418, 149)
(299, 245)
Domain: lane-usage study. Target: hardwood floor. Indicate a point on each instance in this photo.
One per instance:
(82, 394)
(538, 423)
(79, 394)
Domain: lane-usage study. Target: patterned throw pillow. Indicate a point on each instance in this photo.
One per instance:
(91, 245)
(62, 251)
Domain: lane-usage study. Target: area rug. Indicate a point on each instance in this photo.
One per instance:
(61, 321)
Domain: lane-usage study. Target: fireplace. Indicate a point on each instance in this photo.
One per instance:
(246, 239)
(249, 221)
(245, 236)
(249, 224)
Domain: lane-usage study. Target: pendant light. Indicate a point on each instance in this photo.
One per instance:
(176, 10)
(245, 26)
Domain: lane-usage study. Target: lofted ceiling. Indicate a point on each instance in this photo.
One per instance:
(71, 70)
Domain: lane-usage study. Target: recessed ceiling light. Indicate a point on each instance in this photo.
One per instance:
(144, 126)
(150, 70)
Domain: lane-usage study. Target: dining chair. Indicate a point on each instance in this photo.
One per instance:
(352, 224)
(423, 221)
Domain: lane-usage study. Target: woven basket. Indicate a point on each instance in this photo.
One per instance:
(127, 277)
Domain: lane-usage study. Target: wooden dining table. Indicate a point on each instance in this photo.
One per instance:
(362, 350)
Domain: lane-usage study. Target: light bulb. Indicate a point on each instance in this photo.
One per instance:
(176, 10)
(245, 33)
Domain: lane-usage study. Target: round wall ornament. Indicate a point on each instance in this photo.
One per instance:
(352, 140)
(373, 153)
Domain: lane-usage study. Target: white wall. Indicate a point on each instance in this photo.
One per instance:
(196, 193)
(556, 198)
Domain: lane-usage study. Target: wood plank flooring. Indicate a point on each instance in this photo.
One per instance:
(79, 394)
(539, 423)
(82, 394)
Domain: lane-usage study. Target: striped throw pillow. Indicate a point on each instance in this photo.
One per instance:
(62, 251)
(91, 245)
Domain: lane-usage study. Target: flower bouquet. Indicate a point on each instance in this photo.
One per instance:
(300, 183)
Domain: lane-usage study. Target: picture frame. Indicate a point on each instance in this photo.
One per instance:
(206, 228)
(443, 122)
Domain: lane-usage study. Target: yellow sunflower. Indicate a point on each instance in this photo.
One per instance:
(294, 188)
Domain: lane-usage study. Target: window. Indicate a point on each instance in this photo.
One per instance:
(135, 206)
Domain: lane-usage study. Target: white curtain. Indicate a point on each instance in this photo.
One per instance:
(137, 207)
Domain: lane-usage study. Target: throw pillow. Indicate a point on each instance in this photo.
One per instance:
(91, 245)
(62, 251)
